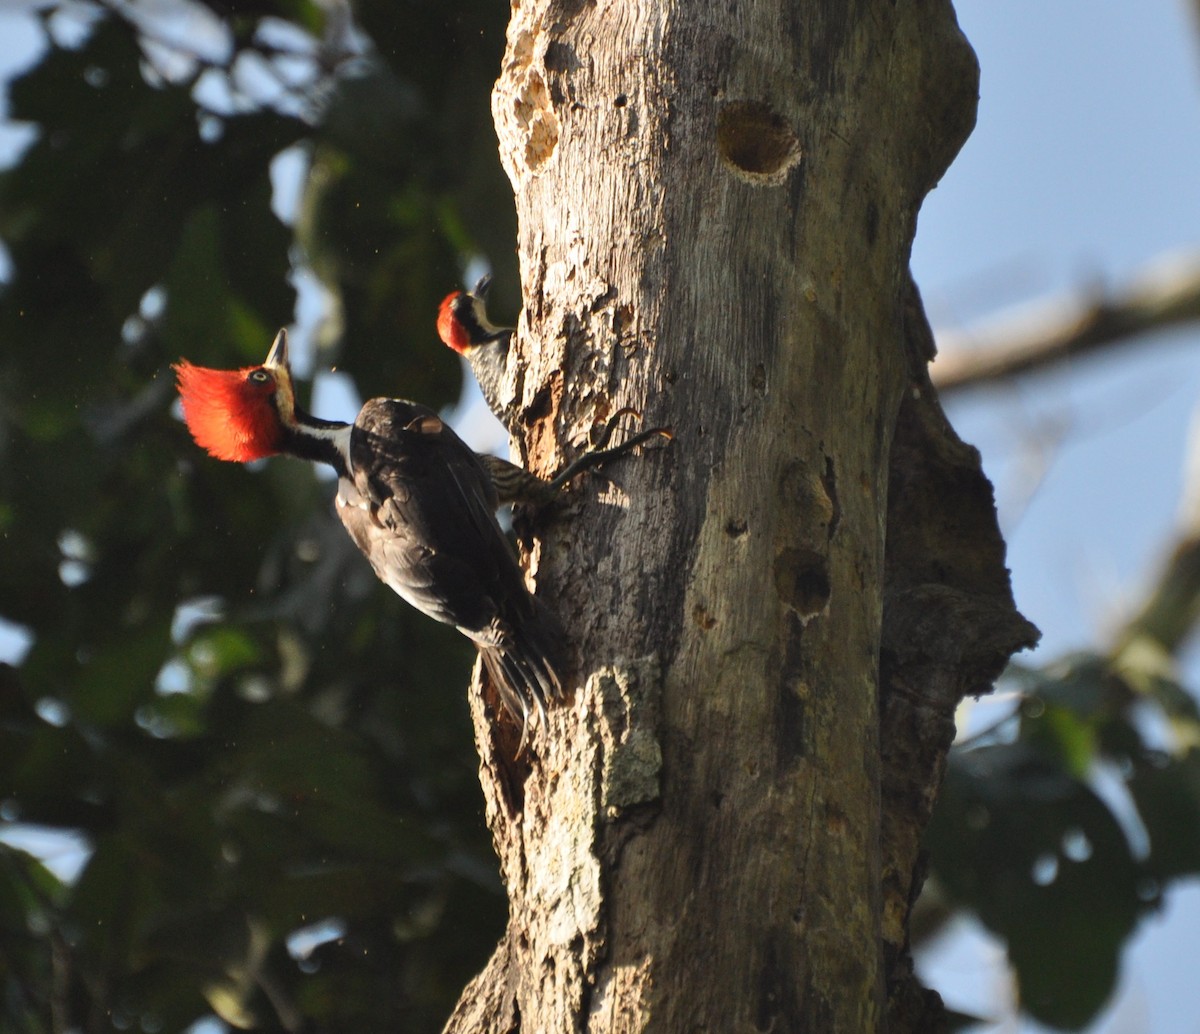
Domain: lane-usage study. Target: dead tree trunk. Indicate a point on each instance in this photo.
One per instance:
(716, 207)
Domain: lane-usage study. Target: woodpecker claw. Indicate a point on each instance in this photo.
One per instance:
(642, 436)
(482, 286)
(601, 440)
(601, 453)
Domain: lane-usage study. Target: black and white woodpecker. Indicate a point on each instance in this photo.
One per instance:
(416, 500)
(463, 325)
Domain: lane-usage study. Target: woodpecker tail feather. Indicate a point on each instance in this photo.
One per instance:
(523, 665)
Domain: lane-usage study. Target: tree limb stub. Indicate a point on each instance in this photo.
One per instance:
(949, 627)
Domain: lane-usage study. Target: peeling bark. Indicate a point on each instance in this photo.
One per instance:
(716, 206)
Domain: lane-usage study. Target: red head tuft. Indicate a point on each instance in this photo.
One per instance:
(230, 412)
(450, 326)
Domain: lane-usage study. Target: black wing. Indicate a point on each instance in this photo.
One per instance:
(424, 516)
(422, 509)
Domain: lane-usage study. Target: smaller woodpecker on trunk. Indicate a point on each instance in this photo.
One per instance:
(463, 325)
(416, 500)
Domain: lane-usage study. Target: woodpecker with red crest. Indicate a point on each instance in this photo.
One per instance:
(416, 500)
(463, 325)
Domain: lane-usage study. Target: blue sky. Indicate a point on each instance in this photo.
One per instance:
(1084, 166)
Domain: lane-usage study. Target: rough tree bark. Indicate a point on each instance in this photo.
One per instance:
(716, 206)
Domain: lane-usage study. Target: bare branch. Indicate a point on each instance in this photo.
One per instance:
(1167, 294)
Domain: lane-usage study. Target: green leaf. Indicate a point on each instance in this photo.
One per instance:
(1045, 865)
(1060, 733)
(1167, 793)
(1082, 683)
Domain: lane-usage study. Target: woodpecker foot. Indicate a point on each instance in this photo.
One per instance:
(515, 484)
(601, 453)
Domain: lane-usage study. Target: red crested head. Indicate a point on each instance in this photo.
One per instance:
(462, 321)
(450, 324)
(238, 415)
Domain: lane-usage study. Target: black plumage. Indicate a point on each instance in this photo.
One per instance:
(420, 504)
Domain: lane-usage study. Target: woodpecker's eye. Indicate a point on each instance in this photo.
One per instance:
(259, 377)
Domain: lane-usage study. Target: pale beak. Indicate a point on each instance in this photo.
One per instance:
(482, 286)
(277, 358)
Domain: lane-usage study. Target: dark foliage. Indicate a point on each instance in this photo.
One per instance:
(245, 732)
(1063, 826)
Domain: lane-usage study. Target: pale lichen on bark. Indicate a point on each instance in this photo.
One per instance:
(628, 726)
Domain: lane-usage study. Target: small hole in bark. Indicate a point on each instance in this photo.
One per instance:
(802, 581)
(735, 527)
(560, 57)
(872, 222)
(538, 408)
(756, 142)
(621, 100)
